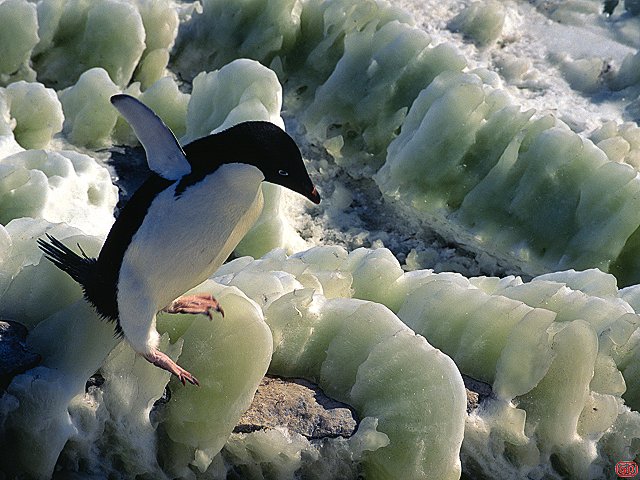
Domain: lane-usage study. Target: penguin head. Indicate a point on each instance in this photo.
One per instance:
(263, 145)
(279, 159)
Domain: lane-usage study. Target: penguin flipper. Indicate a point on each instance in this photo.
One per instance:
(164, 154)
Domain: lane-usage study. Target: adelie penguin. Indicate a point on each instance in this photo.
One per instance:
(181, 224)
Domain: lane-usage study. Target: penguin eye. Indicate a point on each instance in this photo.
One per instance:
(283, 173)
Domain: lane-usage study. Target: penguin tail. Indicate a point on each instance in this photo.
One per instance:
(80, 268)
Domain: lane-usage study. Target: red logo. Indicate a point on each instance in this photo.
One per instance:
(626, 469)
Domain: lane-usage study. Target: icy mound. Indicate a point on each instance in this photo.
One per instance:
(36, 111)
(48, 420)
(473, 163)
(450, 148)
(557, 350)
(352, 348)
(60, 186)
(18, 38)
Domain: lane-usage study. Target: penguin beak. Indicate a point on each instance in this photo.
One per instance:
(314, 196)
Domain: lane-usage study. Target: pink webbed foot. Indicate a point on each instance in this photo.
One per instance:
(161, 360)
(195, 304)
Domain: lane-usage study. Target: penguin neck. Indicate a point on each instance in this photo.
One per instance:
(201, 170)
(240, 175)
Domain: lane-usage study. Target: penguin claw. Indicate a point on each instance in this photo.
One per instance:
(195, 304)
(162, 361)
(187, 377)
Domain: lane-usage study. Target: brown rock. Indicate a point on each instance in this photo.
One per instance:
(477, 391)
(299, 406)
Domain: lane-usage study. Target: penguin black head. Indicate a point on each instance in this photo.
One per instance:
(261, 144)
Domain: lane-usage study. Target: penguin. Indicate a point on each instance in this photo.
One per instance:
(180, 225)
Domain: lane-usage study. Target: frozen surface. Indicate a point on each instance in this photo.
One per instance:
(497, 140)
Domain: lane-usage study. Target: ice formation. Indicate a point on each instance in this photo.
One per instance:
(481, 21)
(18, 38)
(384, 76)
(445, 145)
(354, 85)
(313, 336)
(320, 335)
(556, 350)
(563, 336)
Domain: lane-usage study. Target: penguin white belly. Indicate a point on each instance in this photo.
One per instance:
(181, 242)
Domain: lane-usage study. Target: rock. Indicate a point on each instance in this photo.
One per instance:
(15, 358)
(477, 391)
(300, 407)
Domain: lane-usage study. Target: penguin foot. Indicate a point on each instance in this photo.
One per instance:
(161, 360)
(195, 304)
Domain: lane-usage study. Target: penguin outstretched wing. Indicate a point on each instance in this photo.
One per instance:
(164, 154)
